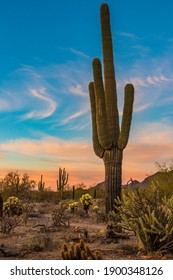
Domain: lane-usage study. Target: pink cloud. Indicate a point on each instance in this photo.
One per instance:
(150, 143)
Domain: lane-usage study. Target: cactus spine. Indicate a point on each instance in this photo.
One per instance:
(108, 140)
(63, 179)
(41, 184)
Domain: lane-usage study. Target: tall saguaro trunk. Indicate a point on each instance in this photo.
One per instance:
(109, 140)
(113, 176)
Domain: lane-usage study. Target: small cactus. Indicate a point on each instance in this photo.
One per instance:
(86, 200)
(73, 192)
(73, 206)
(63, 180)
(41, 184)
(79, 252)
(12, 206)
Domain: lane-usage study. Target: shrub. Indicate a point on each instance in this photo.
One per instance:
(95, 209)
(15, 184)
(12, 206)
(101, 217)
(38, 243)
(45, 196)
(150, 216)
(86, 200)
(73, 206)
(9, 223)
(26, 210)
(60, 217)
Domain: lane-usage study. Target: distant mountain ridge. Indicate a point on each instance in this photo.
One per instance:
(163, 179)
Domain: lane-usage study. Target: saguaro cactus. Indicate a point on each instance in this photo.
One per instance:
(108, 140)
(41, 184)
(63, 179)
(73, 192)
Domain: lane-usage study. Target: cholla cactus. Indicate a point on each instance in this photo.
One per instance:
(12, 200)
(79, 252)
(12, 206)
(73, 206)
(150, 216)
(96, 209)
(86, 200)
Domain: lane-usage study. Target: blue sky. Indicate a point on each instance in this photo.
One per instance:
(46, 51)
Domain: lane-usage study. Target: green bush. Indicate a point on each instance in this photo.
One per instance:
(12, 206)
(150, 216)
(45, 196)
(73, 206)
(86, 200)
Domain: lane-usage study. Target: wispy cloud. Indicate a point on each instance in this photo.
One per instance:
(155, 132)
(142, 50)
(78, 90)
(79, 53)
(150, 80)
(76, 115)
(127, 35)
(73, 154)
(153, 82)
(50, 104)
(4, 105)
(76, 52)
(48, 91)
(9, 101)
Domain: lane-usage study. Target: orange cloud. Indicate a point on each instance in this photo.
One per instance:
(151, 143)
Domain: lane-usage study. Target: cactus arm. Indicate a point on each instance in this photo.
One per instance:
(101, 116)
(127, 116)
(64, 177)
(99, 151)
(109, 75)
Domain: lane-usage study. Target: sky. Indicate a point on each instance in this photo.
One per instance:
(46, 52)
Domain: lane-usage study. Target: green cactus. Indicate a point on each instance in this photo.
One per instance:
(73, 192)
(41, 184)
(95, 193)
(149, 215)
(108, 140)
(86, 200)
(63, 179)
(73, 206)
(79, 252)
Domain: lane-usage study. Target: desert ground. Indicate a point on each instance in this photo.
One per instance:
(42, 235)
